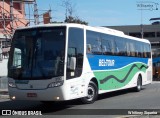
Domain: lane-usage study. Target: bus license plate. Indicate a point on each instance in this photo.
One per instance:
(31, 94)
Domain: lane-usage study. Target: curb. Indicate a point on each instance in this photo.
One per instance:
(155, 82)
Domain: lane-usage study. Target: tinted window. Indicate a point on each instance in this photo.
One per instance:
(93, 43)
(131, 50)
(75, 49)
(108, 45)
(120, 46)
(105, 44)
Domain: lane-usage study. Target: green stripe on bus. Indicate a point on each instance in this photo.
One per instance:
(115, 79)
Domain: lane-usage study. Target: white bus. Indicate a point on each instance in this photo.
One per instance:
(58, 62)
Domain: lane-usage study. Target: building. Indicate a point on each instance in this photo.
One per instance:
(150, 32)
(12, 16)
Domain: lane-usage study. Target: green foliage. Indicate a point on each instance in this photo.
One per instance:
(71, 19)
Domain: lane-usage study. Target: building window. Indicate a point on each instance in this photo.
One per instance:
(158, 34)
(149, 34)
(135, 34)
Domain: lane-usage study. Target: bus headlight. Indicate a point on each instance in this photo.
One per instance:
(58, 82)
(12, 85)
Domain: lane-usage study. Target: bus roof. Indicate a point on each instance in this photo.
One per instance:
(97, 29)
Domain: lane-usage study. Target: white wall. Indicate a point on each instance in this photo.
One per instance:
(3, 67)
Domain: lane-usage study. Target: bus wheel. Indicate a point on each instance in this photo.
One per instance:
(139, 84)
(92, 93)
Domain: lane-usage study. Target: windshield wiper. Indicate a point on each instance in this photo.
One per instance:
(16, 66)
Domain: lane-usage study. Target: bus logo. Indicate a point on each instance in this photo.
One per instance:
(106, 62)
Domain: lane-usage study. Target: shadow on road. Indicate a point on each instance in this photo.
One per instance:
(38, 106)
(117, 93)
(53, 107)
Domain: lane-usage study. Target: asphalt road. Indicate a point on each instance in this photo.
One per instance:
(109, 104)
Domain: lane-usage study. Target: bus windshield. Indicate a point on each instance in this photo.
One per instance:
(37, 53)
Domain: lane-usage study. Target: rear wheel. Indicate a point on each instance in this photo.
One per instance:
(139, 84)
(92, 95)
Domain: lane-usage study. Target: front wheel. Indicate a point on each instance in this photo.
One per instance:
(92, 95)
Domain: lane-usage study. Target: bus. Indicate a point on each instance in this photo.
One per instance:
(58, 62)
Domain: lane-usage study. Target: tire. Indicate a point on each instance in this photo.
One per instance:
(92, 91)
(138, 88)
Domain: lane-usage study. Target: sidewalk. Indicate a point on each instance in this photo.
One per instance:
(4, 88)
(154, 82)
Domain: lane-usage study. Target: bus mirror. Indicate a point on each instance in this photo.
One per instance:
(72, 64)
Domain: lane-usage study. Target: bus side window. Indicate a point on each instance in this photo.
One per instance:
(89, 48)
(132, 48)
(104, 50)
(93, 38)
(148, 51)
(145, 51)
(141, 50)
(120, 44)
(113, 47)
(96, 49)
(128, 49)
(106, 45)
(136, 53)
(138, 49)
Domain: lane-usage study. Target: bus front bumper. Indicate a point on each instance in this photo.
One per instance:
(49, 94)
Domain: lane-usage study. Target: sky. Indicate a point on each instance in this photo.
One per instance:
(105, 12)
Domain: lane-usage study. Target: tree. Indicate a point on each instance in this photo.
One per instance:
(69, 18)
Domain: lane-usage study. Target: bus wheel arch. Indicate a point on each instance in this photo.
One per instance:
(95, 81)
(92, 92)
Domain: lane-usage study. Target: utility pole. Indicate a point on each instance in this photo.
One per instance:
(146, 5)
(11, 15)
(36, 16)
(3, 17)
(142, 32)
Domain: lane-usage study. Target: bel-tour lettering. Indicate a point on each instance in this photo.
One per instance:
(106, 62)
